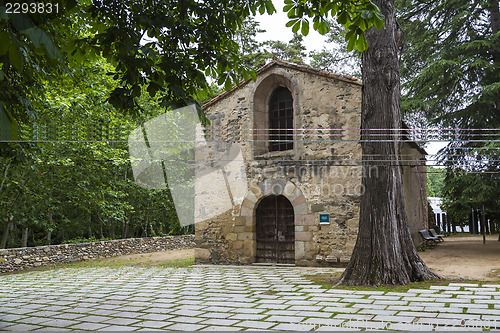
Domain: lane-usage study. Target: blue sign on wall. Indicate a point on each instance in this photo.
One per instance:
(324, 218)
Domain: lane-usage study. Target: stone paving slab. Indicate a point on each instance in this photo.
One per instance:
(217, 298)
(118, 328)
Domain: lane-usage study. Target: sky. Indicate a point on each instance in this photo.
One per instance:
(275, 26)
(276, 29)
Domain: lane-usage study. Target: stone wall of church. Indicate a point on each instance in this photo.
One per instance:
(321, 175)
(414, 172)
(318, 180)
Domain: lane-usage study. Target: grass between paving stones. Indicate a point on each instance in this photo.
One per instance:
(495, 273)
(328, 280)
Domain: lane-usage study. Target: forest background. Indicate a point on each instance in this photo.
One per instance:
(67, 176)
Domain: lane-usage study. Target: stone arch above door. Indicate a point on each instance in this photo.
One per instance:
(273, 187)
(264, 88)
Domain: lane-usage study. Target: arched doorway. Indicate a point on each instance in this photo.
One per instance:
(275, 230)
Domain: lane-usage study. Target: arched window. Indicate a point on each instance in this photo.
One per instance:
(281, 120)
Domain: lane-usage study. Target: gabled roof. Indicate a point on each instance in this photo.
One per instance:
(283, 63)
(306, 69)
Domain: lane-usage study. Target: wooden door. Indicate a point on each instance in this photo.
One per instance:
(275, 231)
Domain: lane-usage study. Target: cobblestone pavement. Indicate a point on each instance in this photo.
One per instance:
(220, 298)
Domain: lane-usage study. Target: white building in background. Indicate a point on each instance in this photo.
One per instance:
(439, 214)
(436, 204)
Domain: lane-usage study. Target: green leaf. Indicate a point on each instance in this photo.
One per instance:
(367, 15)
(5, 44)
(3, 14)
(35, 34)
(70, 4)
(49, 47)
(2, 76)
(245, 75)
(305, 28)
(228, 84)
(380, 16)
(379, 21)
(136, 90)
(254, 75)
(270, 7)
(287, 8)
(343, 18)
(8, 125)
(296, 27)
(350, 34)
(323, 27)
(21, 22)
(291, 22)
(361, 44)
(351, 44)
(15, 57)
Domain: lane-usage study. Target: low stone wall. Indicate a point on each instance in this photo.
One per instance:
(18, 259)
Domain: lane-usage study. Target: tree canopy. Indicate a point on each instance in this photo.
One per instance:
(435, 181)
(76, 81)
(451, 72)
(168, 47)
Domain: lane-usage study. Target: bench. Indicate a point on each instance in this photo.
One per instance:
(433, 233)
(428, 239)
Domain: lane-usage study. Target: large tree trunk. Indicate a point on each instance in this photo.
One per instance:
(384, 252)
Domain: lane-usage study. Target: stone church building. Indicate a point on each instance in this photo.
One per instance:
(298, 131)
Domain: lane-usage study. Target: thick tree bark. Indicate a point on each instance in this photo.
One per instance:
(384, 252)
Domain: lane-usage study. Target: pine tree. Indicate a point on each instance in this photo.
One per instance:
(451, 72)
(334, 56)
(250, 49)
(293, 51)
